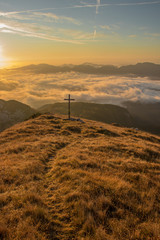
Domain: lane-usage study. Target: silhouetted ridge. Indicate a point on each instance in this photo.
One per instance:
(107, 113)
(140, 69)
(12, 112)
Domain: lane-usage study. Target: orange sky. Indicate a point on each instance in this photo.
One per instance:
(70, 31)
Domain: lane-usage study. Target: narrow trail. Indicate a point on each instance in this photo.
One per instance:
(61, 181)
(60, 225)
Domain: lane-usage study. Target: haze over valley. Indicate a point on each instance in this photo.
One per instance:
(37, 85)
(127, 95)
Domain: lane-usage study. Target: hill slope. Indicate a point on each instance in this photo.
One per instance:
(107, 113)
(12, 112)
(146, 115)
(64, 180)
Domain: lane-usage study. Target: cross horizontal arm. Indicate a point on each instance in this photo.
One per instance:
(70, 99)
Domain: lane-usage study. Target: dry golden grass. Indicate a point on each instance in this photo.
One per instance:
(64, 180)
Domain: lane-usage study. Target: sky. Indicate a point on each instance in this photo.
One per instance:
(117, 32)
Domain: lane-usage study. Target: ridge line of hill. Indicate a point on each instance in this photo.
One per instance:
(139, 69)
(145, 116)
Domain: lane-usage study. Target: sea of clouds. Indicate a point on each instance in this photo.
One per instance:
(39, 89)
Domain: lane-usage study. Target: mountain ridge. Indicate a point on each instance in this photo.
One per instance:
(145, 69)
(12, 112)
(144, 116)
(107, 113)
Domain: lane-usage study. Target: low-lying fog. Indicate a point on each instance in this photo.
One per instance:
(40, 89)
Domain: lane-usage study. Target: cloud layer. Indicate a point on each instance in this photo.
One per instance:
(40, 89)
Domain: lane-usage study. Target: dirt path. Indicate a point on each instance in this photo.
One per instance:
(60, 227)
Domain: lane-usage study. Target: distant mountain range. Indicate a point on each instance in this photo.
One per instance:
(140, 69)
(145, 116)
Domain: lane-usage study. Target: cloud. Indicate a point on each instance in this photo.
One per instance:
(94, 34)
(13, 23)
(82, 35)
(98, 5)
(24, 27)
(137, 3)
(50, 17)
(33, 15)
(152, 34)
(6, 31)
(37, 90)
(14, 16)
(33, 30)
(107, 27)
(2, 14)
(132, 36)
(8, 86)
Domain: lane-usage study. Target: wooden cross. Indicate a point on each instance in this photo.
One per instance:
(69, 105)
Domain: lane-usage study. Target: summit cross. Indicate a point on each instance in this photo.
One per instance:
(69, 105)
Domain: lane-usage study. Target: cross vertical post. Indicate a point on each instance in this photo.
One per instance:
(69, 105)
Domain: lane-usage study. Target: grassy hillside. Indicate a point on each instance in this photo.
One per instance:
(107, 113)
(64, 180)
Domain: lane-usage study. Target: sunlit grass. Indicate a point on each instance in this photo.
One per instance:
(70, 180)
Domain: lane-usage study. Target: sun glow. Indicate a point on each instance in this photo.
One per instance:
(3, 60)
